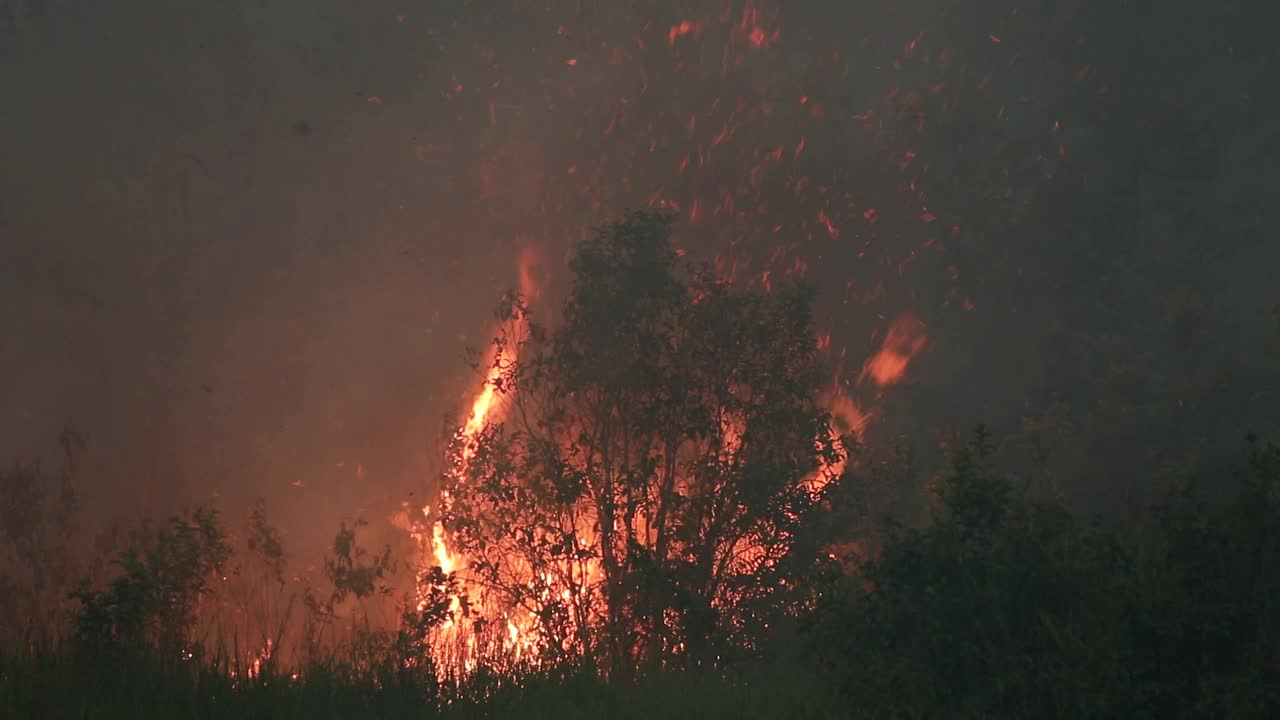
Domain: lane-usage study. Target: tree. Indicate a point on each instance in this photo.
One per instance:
(642, 497)
(155, 598)
(1007, 606)
(37, 558)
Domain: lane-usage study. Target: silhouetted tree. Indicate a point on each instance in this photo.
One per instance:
(1008, 607)
(659, 455)
(153, 601)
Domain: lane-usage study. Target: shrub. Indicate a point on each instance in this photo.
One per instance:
(1004, 606)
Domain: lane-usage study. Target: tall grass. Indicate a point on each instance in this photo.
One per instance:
(142, 688)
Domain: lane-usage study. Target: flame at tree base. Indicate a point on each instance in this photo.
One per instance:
(484, 626)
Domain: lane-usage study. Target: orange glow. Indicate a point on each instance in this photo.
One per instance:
(739, 165)
(752, 28)
(684, 28)
(572, 584)
(847, 418)
(456, 646)
(481, 406)
(906, 339)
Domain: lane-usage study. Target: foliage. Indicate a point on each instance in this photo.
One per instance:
(264, 541)
(256, 602)
(356, 576)
(352, 570)
(37, 562)
(1004, 606)
(660, 453)
(50, 687)
(154, 599)
(1001, 605)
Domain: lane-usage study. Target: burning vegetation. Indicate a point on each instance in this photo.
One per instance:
(634, 485)
(659, 483)
(663, 494)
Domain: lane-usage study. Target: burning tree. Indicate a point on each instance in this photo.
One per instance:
(643, 495)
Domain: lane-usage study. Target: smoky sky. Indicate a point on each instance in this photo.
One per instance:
(244, 244)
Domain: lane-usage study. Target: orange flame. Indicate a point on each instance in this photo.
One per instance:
(685, 27)
(460, 646)
(483, 409)
(904, 341)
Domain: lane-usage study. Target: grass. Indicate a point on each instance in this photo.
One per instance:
(55, 687)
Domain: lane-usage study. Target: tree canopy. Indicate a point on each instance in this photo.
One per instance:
(643, 494)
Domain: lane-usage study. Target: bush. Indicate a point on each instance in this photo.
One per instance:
(153, 601)
(1004, 606)
(1001, 605)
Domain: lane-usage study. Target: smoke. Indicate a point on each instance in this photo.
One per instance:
(242, 245)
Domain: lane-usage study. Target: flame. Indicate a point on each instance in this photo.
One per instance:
(753, 27)
(482, 405)
(681, 29)
(440, 548)
(720, 160)
(904, 341)
(256, 664)
(453, 638)
(847, 418)
(460, 646)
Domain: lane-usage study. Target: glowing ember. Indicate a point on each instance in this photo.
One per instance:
(684, 28)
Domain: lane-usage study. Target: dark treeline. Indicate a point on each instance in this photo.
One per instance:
(999, 602)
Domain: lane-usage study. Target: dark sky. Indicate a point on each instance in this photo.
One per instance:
(242, 244)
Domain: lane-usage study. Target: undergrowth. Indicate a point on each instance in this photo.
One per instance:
(1000, 605)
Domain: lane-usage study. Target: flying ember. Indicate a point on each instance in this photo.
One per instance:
(698, 116)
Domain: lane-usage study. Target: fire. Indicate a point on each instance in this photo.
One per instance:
(454, 637)
(566, 583)
(685, 27)
(905, 340)
(696, 112)
(440, 548)
(752, 26)
(255, 666)
(482, 405)
(444, 558)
